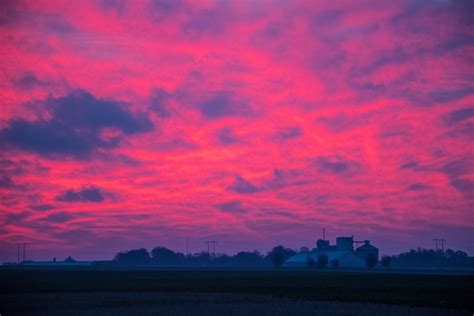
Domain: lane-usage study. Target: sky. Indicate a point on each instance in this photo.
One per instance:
(134, 124)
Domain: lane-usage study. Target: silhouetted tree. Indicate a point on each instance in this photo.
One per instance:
(370, 261)
(165, 256)
(385, 261)
(247, 258)
(322, 262)
(335, 264)
(136, 256)
(279, 254)
(310, 263)
(430, 258)
(198, 259)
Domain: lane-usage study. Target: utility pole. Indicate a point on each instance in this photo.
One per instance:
(187, 245)
(21, 245)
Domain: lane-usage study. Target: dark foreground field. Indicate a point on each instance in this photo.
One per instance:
(218, 292)
(196, 304)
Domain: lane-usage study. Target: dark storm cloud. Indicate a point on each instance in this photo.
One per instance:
(337, 166)
(457, 168)
(28, 81)
(285, 178)
(75, 234)
(221, 105)
(9, 12)
(175, 144)
(158, 103)
(243, 186)
(226, 136)
(458, 116)
(232, 207)
(19, 167)
(409, 165)
(6, 182)
(342, 122)
(417, 187)
(209, 22)
(85, 194)
(430, 98)
(288, 133)
(82, 110)
(117, 5)
(326, 18)
(166, 7)
(50, 137)
(449, 95)
(463, 130)
(16, 13)
(15, 218)
(464, 186)
(75, 126)
(59, 217)
(42, 207)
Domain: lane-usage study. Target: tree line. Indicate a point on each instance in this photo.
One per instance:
(429, 258)
(166, 257)
(419, 258)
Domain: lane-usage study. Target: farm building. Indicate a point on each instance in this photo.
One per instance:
(343, 252)
(68, 262)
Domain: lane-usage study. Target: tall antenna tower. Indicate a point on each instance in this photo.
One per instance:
(324, 233)
(213, 243)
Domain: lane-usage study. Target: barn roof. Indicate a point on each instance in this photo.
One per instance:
(367, 246)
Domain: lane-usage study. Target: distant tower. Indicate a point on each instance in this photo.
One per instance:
(213, 243)
(439, 243)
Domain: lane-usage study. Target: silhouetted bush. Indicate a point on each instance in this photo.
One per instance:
(335, 264)
(279, 254)
(322, 262)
